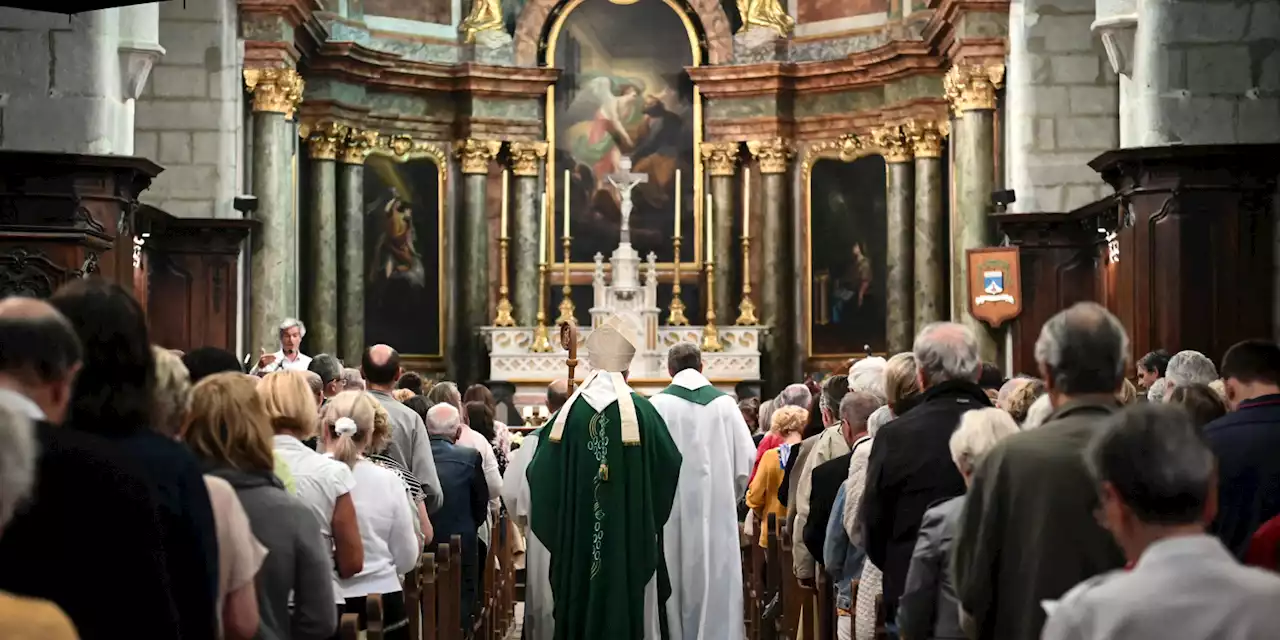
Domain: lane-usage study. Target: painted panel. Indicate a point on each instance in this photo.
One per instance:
(433, 11)
(821, 10)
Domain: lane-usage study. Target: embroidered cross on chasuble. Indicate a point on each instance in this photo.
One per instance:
(601, 486)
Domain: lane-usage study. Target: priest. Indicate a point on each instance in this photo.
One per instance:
(704, 562)
(601, 485)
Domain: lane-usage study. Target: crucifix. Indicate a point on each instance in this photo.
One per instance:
(624, 181)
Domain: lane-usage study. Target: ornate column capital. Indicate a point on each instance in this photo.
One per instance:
(476, 154)
(972, 87)
(893, 143)
(356, 144)
(525, 156)
(771, 154)
(720, 158)
(275, 90)
(925, 136)
(324, 139)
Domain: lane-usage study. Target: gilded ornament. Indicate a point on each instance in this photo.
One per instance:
(476, 154)
(972, 87)
(357, 145)
(768, 14)
(400, 145)
(526, 156)
(323, 139)
(275, 90)
(771, 154)
(893, 144)
(847, 148)
(485, 15)
(720, 157)
(926, 137)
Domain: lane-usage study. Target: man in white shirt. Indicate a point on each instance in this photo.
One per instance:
(288, 358)
(703, 559)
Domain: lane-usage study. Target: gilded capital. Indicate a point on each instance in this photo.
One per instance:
(275, 90)
(476, 154)
(893, 143)
(771, 154)
(525, 156)
(356, 145)
(926, 137)
(720, 157)
(324, 139)
(972, 87)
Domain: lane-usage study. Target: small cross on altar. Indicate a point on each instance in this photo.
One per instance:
(624, 181)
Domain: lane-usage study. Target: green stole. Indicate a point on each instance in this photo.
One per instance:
(599, 507)
(700, 396)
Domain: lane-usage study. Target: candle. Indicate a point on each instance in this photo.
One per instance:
(678, 199)
(566, 203)
(711, 225)
(746, 201)
(502, 229)
(542, 225)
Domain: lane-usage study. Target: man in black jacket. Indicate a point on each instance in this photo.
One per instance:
(910, 466)
(89, 539)
(466, 497)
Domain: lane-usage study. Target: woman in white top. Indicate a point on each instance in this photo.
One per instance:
(323, 484)
(386, 520)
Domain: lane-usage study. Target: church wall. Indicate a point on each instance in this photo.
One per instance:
(1063, 105)
(190, 117)
(432, 11)
(834, 15)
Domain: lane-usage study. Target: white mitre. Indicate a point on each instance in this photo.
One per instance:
(609, 347)
(609, 351)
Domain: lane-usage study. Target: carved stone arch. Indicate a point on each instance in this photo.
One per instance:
(532, 22)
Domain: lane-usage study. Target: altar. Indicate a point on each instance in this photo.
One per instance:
(627, 296)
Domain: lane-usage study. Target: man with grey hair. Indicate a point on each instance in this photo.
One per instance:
(1158, 391)
(316, 384)
(910, 466)
(330, 371)
(1156, 475)
(1081, 353)
(466, 496)
(1188, 368)
(794, 395)
(288, 357)
(352, 380)
(713, 438)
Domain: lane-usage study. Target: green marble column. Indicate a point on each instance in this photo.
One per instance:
(473, 263)
(322, 239)
(900, 201)
(350, 249)
(720, 159)
(971, 89)
(930, 248)
(276, 94)
(526, 160)
(777, 270)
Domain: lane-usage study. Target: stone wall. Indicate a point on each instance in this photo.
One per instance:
(190, 117)
(1062, 105)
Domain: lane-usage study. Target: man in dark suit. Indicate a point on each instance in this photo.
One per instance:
(90, 538)
(1245, 442)
(910, 466)
(466, 497)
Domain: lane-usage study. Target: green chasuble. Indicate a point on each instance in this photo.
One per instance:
(599, 507)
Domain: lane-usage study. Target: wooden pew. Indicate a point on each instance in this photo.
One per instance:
(349, 627)
(506, 577)
(412, 601)
(750, 576)
(826, 598)
(483, 626)
(427, 599)
(374, 620)
(449, 591)
(771, 619)
(794, 596)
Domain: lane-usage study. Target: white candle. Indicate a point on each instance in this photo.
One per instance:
(746, 201)
(566, 202)
(502, 229)
(542, 236)
(678, 198)
(711, 225)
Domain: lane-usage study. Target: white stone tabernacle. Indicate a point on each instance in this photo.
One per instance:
(618, 290)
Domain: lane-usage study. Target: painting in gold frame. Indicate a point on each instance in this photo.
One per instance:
(404, 240)
(845, 227)
(623, 91)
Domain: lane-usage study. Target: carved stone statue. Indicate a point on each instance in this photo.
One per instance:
(624, 181)
(770, 14)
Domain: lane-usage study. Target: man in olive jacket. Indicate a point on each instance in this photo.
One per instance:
(1028, 532)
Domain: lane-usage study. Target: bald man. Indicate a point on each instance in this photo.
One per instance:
(410, 445)
(80, 479)
(557, 394)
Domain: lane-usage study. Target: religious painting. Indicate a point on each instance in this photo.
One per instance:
(848, 234)
(403, 248)
(623, 93)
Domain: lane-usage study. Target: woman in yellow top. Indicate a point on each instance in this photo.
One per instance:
(762, 496)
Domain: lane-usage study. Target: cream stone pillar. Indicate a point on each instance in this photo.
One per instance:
(900, 201)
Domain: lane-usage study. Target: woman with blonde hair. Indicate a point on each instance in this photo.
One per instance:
(386, 521)
(928, 607)
(323, 484)
(762, 496)
(901, 383)
(172, 392)
(228, 428)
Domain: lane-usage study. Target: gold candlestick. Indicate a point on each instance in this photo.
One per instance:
(677, 317)
(541, 341)
(566, 302)
(710, 334)
(503, 318)
(746, 308)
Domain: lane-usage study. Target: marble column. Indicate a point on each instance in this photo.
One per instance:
(350, 246)
(777, 279)
(473, 263)
(526, 160)
(720, 159)
(900, 201)
(276, 95)
(971, 90)
(930, 249)
(322, 238)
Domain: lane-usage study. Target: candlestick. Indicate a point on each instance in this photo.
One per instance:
(566, 301)
(746, 201)
(677, 318)
(503, 317)
(541, 341)
(677, 233)
(746, 308)
(711, 334)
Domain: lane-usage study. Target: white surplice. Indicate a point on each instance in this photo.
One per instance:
(539, 608)
(700, 539)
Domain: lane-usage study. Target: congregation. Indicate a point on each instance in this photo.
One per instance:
(146, 493)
